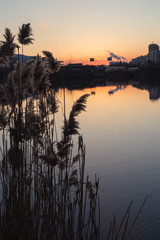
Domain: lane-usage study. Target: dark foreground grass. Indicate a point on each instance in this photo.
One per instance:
(44, 192)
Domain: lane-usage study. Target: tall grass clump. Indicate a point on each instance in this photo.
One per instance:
(45, 193)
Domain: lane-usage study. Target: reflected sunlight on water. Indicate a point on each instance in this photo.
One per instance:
(122, 136)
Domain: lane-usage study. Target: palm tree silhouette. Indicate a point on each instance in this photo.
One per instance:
(24, 36)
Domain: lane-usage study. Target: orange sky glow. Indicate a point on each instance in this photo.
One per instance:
(75, 31)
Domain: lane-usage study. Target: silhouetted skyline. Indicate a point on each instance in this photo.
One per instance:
(78, 30)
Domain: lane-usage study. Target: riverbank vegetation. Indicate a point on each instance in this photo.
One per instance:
(44, 191)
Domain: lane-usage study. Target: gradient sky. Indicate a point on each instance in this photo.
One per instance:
(76, 30)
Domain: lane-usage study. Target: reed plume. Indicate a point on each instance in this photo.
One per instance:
(40, 80)
(7, 47)
(24, 35)
(44, 193)
(52, 64)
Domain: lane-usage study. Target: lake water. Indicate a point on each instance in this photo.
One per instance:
(122, 136)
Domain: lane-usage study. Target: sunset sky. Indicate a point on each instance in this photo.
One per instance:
(76, 30)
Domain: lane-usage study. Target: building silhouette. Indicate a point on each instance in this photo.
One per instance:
(153, 47)
(152, 57)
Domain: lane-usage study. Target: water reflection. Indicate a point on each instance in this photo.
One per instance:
(44, 193)
(117, 89)
(154, 90)
(122, 136)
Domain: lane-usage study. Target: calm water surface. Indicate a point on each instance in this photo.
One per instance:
(122, 136)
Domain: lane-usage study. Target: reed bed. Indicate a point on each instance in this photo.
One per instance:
(44, 192)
